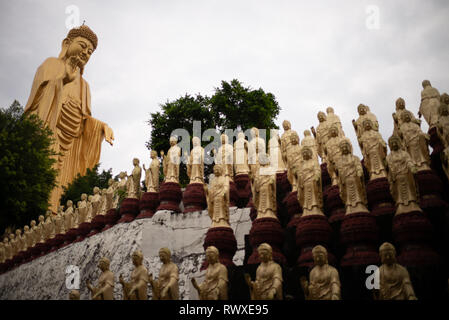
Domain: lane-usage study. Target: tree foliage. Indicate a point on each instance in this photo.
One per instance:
(85, 184)
(26, 172)
(231, 106)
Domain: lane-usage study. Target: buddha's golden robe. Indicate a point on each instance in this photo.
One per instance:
(66, 110)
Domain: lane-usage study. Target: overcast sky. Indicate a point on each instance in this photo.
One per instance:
(309, 54)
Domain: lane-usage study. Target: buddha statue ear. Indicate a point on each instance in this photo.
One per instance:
(64, 47)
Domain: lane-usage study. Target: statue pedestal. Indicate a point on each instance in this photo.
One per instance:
(243, 186)
(111, 218)
(381, 205)
(194, 198)
(233, 194)
(326, 180)
(293, 209)
(431, 190)
(56, 242)
(83, 230)
(170, 196)
(224, 240)
(148, 205)
(26, 255)
(98, 223)
(70, 236)
(129, 209)
(7, 265)
(267, 230)
(311, 231)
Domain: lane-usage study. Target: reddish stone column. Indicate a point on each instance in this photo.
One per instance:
(129, 209)
(170, 196)
(194, 198)
(224, 240)
(148, 205)
(110, 218)
(267, 230)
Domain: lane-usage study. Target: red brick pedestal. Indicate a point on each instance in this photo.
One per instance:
(194, 198)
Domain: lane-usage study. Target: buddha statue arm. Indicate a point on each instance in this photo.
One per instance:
(407, 286)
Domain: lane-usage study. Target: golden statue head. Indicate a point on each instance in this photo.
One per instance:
(367, 124)
(212, 254)
(333, 130)
(443, 110)
(286, 125)
(265, 252)
(319, 255)
(306, 153)
(394, 142)
(387, 253)
(218, 170)
(426, 83)
(444, 98)
(137, 257)
(104, 264)
(294, 138)
(164, 255)
(400, 104)
(345, 146)
(406, 116)
(362, 109)
(307, 133)
(321, 116)
(173, 140)
(136, 162)
(329, 110)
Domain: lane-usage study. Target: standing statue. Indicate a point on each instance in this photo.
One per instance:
(49, 226)
(364, 113)
(28, 236)
(321, 135)
(264, 190)
(241, 149)
(268, 283)
(401, 170)
(166, 287)
(218, 198)
(332, 152)
(68, 223)
(110, 194)
(415, 141)
(351, 179)
(133, 186)
(394, 280)
(33, 229)
(293, 160)
(310, 142)
(120, 191)
(137, 288)
(89, 208)
(224, 157)
(195, 164)
(374, 150)
(152, 173)
(430, 101)
(96, 201)
(324, 279)
(40, 230)
(61, 98)
(105, 289)
(256, 147)
(310, 195)
(397, 116)
(215, 284)
(171, 161)
(8, 249)
(20, 241)
(286, 140)
(275, 152)
(103, 201)
(13, 243)
(334, 120)
(443, 121)
(82, 209)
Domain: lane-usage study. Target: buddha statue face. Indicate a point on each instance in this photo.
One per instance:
(173, 141)
(212, 255)
(445, 98)
(70, 203)
(387, 253)
(153, 154)
(196, 142)
(26, 228)
(294, 139)
(11, 236)
(33, 223)
(400, 104)
(361, 109)
(122, 176)
(394, 143)
(79, 48)
(307, 133)
(367, 125)
(137, 258)
(110, 182)
(319, 255)
(90, 198)
(426, 83)
(164, 255)
(265, 252)
(306, 154)
(41, 219)
(97, 190)
(135, 162)
(241, 135)
(321, 116)
(406, 116)
(345, 148)
(286, 125)
(84, 197)
(103, 264)
(218, 170)
(333, 131)
(18, 232)
(330, 110)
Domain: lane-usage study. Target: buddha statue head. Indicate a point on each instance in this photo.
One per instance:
(367, 124)
(164, 255)
(321, 116)
(319, 255)
(345, 146)
(136, 162)
(69, 204)
(307, 133)
(286, 125)
(362, 109)
(333, 131)
(33, 223)
(196, 142)
(265, 252)
(387, 253)
(400, 104)
(406, 116)
(394, 142)
(212, 255)
(329, 110)
(153, 154)
(97, 190)
(306, 153)
(443, 110)
(294, 138)
(173, 141)
(26, 229)
(426, 83)
(137, 258)
(104, 264)
(218, 170)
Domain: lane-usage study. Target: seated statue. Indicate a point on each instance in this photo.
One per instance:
(374, 150)
(218, 198)
(401, 171)
(137, 288)
(310, 195)
(268, 283)
(394, 280)
(215, 284)
(166, 287)
(105, 289)
(324, 279)
(351, 179)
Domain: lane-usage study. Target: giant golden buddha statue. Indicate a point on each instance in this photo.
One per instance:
(61, 98)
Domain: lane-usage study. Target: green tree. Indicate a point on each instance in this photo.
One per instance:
(231, 106)
(26, 172)
(85, 184)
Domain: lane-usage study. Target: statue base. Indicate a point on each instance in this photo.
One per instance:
(243, 189)
(360, 235)
(311, 231)
(267, 230)
(414, 234)
(194, 198)
(70, 236)
(148, 205)
(334, 207)
(98, 223)
(381, 205)
(111, 218)
(129, 209)
(293, 208)
(170, 196)
(233, 194)
(224, 240)
(83, 230)
(430, 189)
(6, 266)
(57, 241)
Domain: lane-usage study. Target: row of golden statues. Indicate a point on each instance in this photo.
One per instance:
(323, 282)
